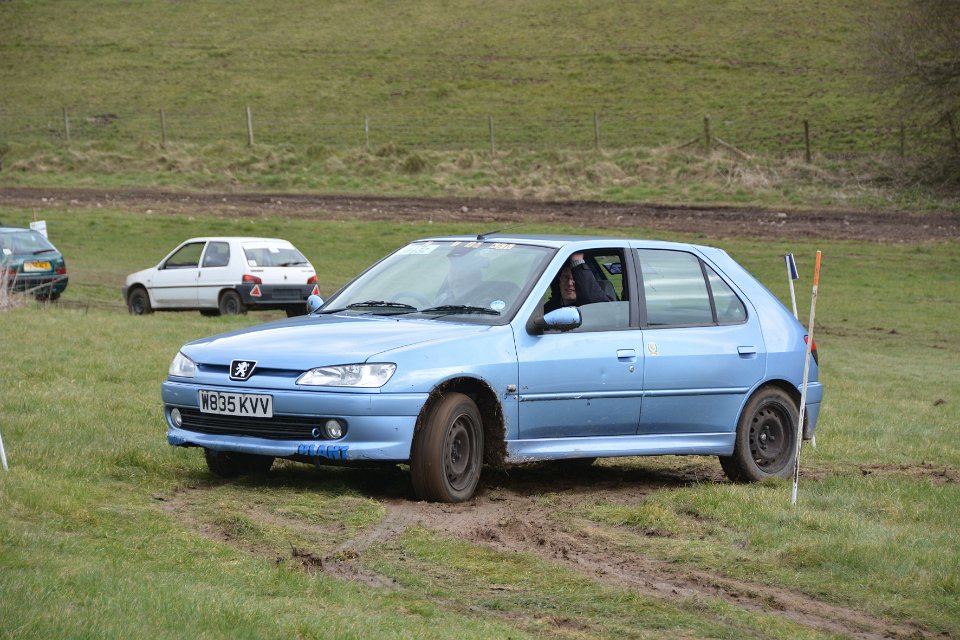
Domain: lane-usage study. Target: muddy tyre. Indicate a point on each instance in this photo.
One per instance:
(229, 464)
(231, 304)
(447, 453)
(138, 302)
(766, 441)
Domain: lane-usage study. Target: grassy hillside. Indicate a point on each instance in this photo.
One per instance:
(430, 73)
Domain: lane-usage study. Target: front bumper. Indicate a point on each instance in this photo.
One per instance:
(378, 426)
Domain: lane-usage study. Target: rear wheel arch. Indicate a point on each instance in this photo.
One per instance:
(766, 435)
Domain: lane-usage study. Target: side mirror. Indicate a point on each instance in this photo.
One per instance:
(562, 319)
(314, 303)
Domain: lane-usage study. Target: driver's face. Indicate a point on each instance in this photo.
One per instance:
(568, 286)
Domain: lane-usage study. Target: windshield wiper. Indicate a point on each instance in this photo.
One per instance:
(39, 251)
(399, 307)
(453, 309)
(292, 264)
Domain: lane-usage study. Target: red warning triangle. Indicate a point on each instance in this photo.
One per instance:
(255, 291)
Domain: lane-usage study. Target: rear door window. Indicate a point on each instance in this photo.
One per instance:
(680, 290)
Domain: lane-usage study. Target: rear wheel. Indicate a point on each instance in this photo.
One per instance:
(766, 441)
(231, 304)
(229, 464)
(447, 452)
(138, 302)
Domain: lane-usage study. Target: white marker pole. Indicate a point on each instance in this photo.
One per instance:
(791, 276)
(806, 376)
(3, 455)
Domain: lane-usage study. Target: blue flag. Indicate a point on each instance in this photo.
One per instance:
(791, 266)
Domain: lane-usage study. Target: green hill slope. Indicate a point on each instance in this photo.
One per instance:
(434, 73)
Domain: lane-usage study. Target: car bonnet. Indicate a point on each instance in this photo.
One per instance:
(314, 341)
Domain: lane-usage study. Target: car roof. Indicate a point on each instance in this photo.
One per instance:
(557, 241)
(236, 239)
(13, 229)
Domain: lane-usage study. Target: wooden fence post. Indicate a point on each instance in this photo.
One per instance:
(903, 141)
(66, 124)
(490, 130)
(806, 140)
(596, 131)
(706, 135)
(249, 127)
(163, 130)
(953, 133)
(366, 132)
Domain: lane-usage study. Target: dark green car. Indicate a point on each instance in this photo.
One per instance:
(29, 263)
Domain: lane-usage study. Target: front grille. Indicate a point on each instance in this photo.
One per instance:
(275, 428)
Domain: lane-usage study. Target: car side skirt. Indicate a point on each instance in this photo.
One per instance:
(706, 444)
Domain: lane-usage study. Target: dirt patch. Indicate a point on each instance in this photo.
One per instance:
(492, 214)
(521, 509)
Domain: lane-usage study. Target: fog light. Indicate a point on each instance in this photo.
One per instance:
(334, 429)
(176, 418)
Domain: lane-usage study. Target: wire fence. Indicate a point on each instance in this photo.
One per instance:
(609, 130)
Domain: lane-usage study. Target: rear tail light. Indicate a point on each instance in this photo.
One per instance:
(312, 280)
(62, 270)
(813, 349)
(249, 279)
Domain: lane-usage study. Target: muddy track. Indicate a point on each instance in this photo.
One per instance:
(509, 514)
(492, 214)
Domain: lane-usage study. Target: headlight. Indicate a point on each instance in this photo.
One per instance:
(349, 375)
(182, 366)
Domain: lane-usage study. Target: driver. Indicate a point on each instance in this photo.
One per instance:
(576, 285)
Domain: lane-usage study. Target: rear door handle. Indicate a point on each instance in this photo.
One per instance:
(747, 351)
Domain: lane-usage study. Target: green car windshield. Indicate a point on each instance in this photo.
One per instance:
(24, 243)
(473, 281)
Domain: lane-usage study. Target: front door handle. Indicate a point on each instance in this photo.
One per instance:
(626, 354)
(747, 351)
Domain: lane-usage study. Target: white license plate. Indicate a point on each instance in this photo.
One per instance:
(236, 404)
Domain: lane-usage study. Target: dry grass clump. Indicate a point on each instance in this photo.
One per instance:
(9, 299)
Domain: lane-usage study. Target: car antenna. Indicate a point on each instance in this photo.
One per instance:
(483, 236)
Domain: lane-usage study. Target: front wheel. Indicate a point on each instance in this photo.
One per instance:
(229, 464)
(138, 302)
(447, 452)
(766, 441)
(231, 304)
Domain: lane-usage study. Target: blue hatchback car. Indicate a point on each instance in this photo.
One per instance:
(456, 352)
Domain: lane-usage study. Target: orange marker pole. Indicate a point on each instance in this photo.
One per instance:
(806, 377)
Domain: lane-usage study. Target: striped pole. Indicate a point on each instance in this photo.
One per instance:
(791, 276)
(806, 377)
(3, 455)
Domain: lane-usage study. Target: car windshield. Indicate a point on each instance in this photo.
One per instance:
(273, 255)
(479, 281)
(24, 242)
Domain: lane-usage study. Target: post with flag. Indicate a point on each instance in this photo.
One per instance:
(806, 377)
(3, 455)
(791, 276)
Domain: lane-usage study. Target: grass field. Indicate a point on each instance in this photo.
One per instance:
(106, 531)
(582, 100)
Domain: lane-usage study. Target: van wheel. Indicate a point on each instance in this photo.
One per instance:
(231, 304)
(447, 452)
(229, 464)
(766, 442)
(138, 302)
